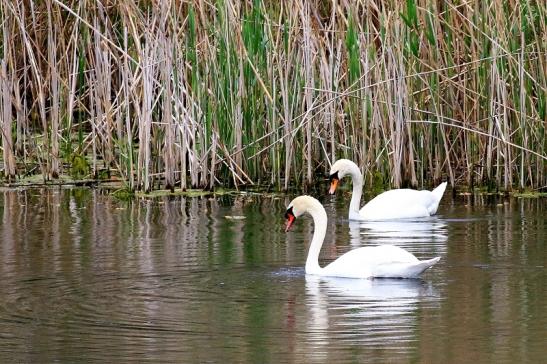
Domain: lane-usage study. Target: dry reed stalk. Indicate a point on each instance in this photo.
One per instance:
(55, 97)
(145, 121)
(130, 170)
(72, 80)
(6, 86)
(284, 78)
(250, 82)
(180, 115)
(169, 128)
(335, 65)
(7, 142)
(308, 80)
(20, 105)
(21, 124)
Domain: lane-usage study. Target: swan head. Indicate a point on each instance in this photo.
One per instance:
(299, 206)
(340, 169)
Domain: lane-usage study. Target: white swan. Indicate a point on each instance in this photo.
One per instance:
(393, 204)
(366, 262)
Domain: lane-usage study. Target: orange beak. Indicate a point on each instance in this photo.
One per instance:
(290, 220)
(333, 185)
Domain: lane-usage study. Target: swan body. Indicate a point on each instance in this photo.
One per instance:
(393, 204)
(385, 261)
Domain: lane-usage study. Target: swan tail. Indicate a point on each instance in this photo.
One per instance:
(422, 266)
(429, 263)
(404, 270)
(438, 193)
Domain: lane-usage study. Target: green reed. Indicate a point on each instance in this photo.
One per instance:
(203, 94)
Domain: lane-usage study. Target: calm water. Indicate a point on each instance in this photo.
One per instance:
(86, 278)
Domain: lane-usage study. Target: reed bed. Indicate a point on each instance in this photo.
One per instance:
(180, 94)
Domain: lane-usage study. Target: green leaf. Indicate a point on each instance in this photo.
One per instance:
(406, 20)
(412, 12)
(430, 30)
(414, 44)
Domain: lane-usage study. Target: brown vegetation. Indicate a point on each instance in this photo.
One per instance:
(202, 93)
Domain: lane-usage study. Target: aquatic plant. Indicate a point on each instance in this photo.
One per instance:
(197, 94)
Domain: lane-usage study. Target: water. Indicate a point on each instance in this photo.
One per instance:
(86, 278)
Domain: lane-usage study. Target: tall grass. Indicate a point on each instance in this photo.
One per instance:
(207, 93)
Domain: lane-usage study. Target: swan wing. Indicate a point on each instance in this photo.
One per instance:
(400, 203)
(378, 261)
(403, 269)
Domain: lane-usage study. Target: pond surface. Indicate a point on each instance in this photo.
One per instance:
(87, 278)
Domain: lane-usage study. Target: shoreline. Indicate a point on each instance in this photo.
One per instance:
(119, 190)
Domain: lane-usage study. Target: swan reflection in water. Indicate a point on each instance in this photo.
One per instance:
(428, 234)
(370, 313)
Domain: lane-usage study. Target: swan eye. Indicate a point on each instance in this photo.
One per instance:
(333, 182)
(289, 212)
(289, 216)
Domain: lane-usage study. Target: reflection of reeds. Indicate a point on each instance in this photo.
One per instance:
(201, 93)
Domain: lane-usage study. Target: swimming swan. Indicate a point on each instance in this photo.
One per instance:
(367, 262)
(393, 204)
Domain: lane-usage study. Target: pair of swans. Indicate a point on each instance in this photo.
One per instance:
(385, 261)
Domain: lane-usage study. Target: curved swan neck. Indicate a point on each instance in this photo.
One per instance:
(357, 180)
(319, 230)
